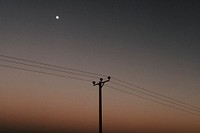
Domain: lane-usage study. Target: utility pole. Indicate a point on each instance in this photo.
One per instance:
(100, 84)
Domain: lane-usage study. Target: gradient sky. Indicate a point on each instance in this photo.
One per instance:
(150, 43)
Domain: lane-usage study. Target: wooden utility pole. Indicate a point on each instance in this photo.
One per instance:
(100, 84)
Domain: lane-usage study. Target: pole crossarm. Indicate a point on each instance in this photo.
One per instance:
(101, 82)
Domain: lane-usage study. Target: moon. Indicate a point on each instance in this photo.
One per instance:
(57, 17)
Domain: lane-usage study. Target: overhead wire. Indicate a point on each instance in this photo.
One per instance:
(88, 74)
(157, 97)
(152, 100)
(47, 73)
(63, 76)
(158, 94)
(96, 76)
(58, 70)
(56, 66)
(113, 78)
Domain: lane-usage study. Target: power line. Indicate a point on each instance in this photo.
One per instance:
(156, 97)
(80, 73)
(49, 68)
(96, 77)
(142, 88)
(81, 79)
(161, 103)
(46, 64)
(41, 72)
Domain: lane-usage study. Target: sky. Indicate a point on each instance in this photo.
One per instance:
(149, 43)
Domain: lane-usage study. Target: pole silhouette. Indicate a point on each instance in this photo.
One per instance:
(100, 84)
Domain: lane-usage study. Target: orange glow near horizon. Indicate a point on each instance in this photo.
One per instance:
(58, 110)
